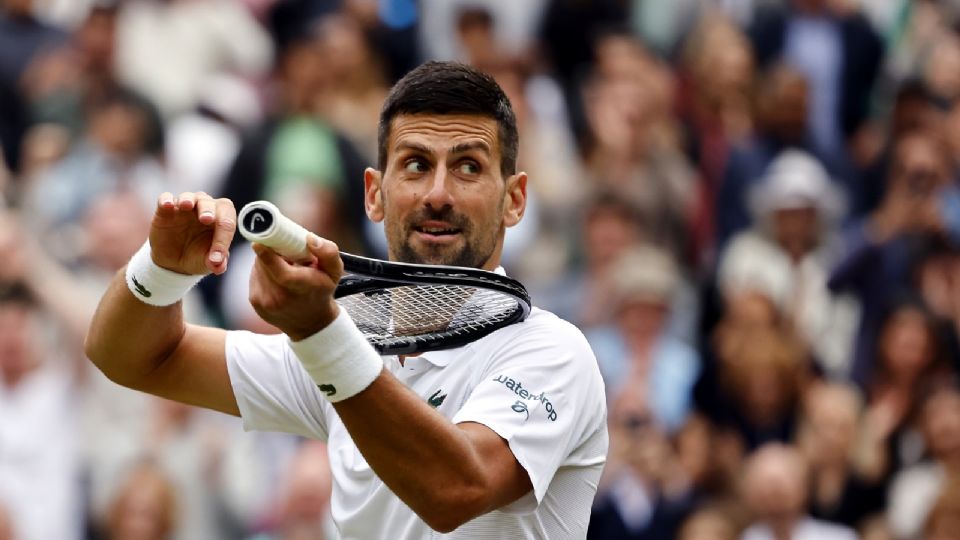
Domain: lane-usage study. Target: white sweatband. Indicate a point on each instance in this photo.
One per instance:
(339, 359)
(154, 285)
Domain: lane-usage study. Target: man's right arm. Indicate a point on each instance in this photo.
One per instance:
(150, 348)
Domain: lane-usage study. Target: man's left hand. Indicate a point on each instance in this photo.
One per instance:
(297, 298)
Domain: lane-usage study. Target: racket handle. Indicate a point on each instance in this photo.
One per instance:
(262, 222)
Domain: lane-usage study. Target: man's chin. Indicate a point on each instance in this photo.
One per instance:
(440, 255)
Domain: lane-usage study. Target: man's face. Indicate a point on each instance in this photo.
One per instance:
(442, 197)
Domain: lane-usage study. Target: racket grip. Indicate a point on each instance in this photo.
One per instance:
(262, 222)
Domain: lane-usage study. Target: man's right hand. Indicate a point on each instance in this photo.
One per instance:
(191, 234)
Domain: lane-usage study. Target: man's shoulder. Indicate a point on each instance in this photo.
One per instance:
(542, 328)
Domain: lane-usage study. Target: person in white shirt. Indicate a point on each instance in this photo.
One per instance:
(502, 438)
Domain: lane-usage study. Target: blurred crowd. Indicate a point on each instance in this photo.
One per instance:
(750, 207)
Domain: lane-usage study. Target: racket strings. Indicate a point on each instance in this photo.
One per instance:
(399, 313)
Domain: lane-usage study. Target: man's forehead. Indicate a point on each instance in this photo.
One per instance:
(444, 131)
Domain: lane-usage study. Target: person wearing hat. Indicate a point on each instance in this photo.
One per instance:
(640, 349)
(786, 256)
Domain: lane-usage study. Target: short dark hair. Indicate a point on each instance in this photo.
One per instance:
(451, 88)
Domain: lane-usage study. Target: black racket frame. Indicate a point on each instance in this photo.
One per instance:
(367, 275)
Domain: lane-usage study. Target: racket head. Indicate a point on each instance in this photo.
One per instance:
(410, 308)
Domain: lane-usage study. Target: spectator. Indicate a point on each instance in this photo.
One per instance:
(39, 468)
(358, 82)
(711, 523)
(787, 255)
(64, 84)
(638, 352)
(775, 491)
(202, 144)
(113, 157)
(762, 373)
(635, 149)
(144, 507)
(780, 120)
(943, 523)
(166, 49)
(303, 511)
(716, 91)
(645, 492)
(842, 490)
(839, 54)
(878, 251)
(608, 228)
(915, 490)
(22, 38)
(909, 358)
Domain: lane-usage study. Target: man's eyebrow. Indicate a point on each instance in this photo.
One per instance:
(412, 146)
(468, 146)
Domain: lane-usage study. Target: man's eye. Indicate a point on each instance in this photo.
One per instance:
(468, 167)
(415, 166)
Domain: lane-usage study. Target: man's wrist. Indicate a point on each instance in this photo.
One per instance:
(338, 359)
(154, 285)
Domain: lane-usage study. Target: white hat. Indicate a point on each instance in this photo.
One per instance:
(795, 179)
(646, 274)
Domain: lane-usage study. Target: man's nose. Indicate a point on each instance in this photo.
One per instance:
(439, 194)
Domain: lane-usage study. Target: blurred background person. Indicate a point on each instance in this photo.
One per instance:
(915, 490)
(943, 522)
(639, 351)
(144, 507)
(303, 507)
(775, 491)
(843, 488)
(877, 250)
(40, 469)
(711, 523)
(644, 492)
(22, 37)
(166, 49)
(716, 90)
(788, 252)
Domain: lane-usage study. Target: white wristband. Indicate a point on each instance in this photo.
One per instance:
(339, 359)
(154, 285)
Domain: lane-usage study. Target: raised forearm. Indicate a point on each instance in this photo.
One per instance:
(128, 339)
(437, 468)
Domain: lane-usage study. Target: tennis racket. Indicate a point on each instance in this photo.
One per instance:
(402, 308)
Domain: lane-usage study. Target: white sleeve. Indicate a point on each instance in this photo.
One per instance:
(273, 391)
(541, 392)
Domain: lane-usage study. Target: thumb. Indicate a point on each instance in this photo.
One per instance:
(327, 254)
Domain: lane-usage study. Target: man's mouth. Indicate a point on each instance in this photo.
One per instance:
(436, 234)
(436, 229)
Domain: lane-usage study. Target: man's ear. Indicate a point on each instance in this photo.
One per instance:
(515, 199)
(372, 195)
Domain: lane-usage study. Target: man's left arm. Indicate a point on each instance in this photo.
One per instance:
(447, 473)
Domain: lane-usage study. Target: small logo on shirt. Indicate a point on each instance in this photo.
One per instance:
(328, 389)
(436, 399)
(521, 407)
(524, 394)
(140, 288)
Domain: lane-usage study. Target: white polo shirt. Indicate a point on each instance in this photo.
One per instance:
(534, 383)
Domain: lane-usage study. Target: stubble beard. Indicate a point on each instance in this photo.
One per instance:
(474, 253)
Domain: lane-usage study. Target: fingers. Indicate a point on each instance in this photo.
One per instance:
(328, 256)
(222, 216)
(295, 277)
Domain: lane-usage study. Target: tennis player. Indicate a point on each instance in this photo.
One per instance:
(502, 438)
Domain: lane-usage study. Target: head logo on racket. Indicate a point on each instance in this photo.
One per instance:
(258, 221)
